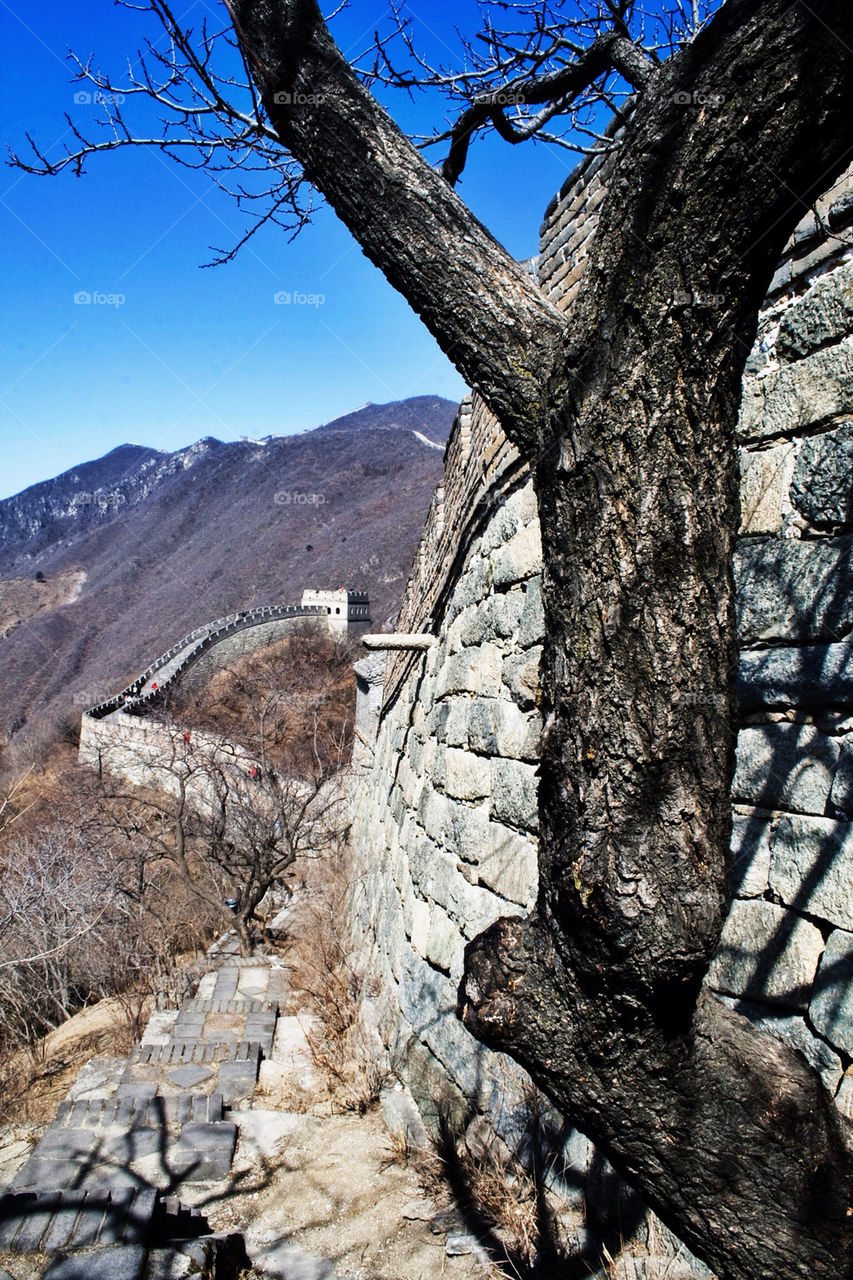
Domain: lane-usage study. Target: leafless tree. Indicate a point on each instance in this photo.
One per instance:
(57, 901)
(230, 825)
(626, 409)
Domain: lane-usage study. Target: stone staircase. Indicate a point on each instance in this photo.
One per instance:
(99, 1194)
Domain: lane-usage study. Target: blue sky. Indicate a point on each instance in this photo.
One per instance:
(181, 352)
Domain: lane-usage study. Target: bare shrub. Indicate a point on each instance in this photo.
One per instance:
(333, 987)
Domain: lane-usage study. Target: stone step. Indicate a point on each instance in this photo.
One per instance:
(185, 1051)
(231, 1004)
(118, 1262)
(47, 1221)
(139, 1111)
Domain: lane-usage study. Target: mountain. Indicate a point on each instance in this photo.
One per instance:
(108, 564)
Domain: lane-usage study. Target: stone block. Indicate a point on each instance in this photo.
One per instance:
(844, 1096)
(472, 586)
(515, 790)
(793, 590)
(420, 925)
(822, 484)
(504, 612)
(531, 627)
(823, 315)
(471, 671)
(812, 868)
(766, 953)
(842, 787)
(750, 853)
(445, 943)
(521, 676)
(469, 826)
(519, 558)
(831, 1010)
(454, 728)
(204, 1152)
(470, 628)
(466, 776)
(785, 766)
(814, 677)
(797, 396)
(509, 865)
(764, 481)
(435, 814)
(500, 728)
(795, 1033)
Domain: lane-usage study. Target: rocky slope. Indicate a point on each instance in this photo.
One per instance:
(168, 541)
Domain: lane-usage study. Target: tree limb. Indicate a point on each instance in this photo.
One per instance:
(504, 337)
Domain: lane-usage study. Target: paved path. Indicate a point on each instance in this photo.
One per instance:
(132, 1132)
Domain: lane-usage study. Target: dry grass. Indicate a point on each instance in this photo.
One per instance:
(328, 984)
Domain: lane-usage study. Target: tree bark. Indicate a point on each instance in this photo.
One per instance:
(627, 409)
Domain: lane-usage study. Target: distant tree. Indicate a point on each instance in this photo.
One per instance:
(243, 777)
(625, 409)
(39, 576)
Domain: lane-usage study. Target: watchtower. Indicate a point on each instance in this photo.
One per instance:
(344, 608)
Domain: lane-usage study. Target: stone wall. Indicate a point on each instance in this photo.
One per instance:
(445, 812)
(148, 753)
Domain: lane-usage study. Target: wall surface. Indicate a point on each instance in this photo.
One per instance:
(446, 808)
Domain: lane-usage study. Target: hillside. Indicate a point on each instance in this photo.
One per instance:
(140, 546)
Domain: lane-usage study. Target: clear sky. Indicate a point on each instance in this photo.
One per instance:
(189, 352)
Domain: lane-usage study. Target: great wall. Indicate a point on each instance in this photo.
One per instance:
(444, 781)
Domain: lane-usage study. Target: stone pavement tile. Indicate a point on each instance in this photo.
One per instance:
(129, 1215)
(140, 1088)
(189, 1075)
(204, 1152)
(62, 1224)
(237, 1081)
(49, 1175)
(223, 1025)
(160, 1027)
(100, 1077)
(204, 990)
(69, 1144)
(124, 1263)
(189, 1026)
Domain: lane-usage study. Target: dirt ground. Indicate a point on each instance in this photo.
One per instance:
(316, 1194)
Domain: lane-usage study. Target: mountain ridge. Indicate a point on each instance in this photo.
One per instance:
(163, 542)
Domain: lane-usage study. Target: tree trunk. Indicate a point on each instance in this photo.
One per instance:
(628, 411)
